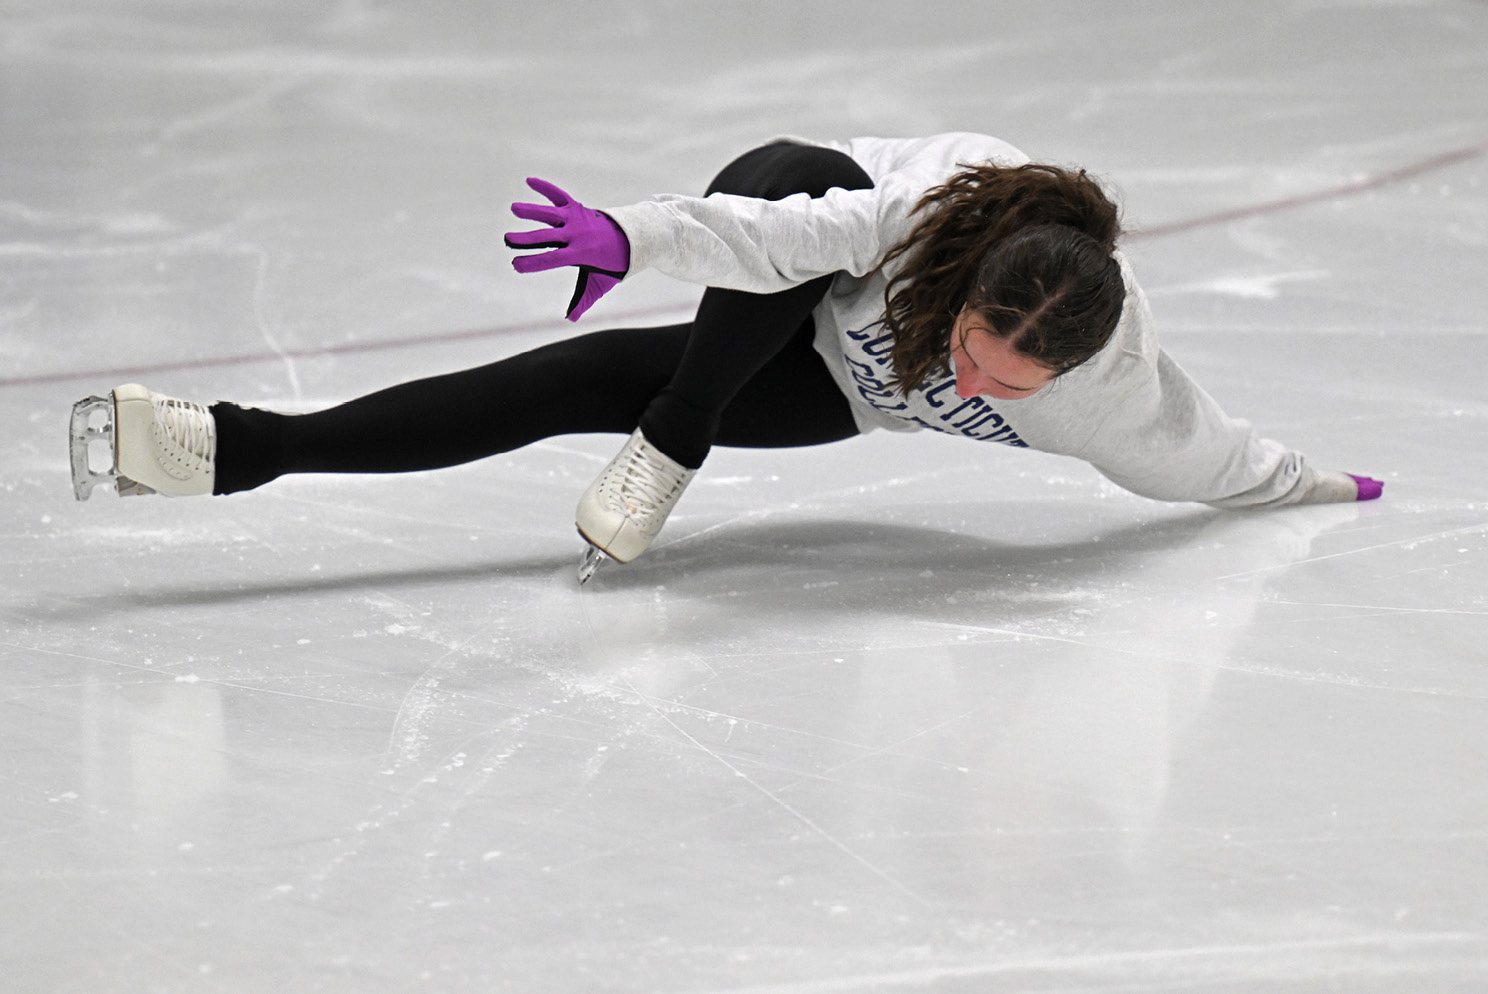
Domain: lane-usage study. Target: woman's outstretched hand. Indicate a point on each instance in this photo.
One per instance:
(578, 237)
(1327, 486)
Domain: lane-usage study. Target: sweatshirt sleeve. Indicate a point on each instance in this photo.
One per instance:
(1172, 441)
(763, 246)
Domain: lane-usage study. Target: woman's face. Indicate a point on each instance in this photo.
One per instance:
(986, 365)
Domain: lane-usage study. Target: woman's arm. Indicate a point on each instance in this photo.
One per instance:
(763, 246)
(1172, 441)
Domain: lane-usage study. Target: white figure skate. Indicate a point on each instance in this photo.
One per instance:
(623, 510)
(157, 444)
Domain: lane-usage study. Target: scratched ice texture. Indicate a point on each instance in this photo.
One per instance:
(900, 714)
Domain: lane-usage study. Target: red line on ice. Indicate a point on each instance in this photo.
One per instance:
(1361, 185)
(345, 348)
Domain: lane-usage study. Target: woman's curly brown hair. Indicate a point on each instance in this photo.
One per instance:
(1028, 247)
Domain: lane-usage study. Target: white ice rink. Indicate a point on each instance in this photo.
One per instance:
(901, 714)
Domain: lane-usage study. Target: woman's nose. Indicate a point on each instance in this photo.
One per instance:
(966, 384)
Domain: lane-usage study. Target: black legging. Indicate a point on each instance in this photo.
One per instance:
(742, 373)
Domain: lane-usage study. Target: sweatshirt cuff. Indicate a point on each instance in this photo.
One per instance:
(645, 231)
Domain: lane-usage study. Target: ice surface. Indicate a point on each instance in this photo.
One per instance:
(899, 714)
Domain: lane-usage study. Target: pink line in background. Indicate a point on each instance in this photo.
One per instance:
(1349, 189)
(315, 352)
(1361, 185)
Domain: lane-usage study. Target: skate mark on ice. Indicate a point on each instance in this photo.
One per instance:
(224, 112)
(1384, 608)
(82, 658)
(351, 844)
(261, 319)
(1005, 633)
(783, 804)
(1191, 966)
(1259, 287)
(409, 733)
(1405, 543)
(408, 741)
(890, 749)
(1345, 680)
(747, 722)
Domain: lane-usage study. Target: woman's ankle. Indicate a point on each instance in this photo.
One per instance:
(682, 430)
(250, 449)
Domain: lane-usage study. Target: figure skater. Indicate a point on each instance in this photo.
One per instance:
(943, 283)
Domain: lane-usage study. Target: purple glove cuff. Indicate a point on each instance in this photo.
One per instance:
(1368, 489)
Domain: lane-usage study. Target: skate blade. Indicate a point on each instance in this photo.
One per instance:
(83, 434)
(590, 563)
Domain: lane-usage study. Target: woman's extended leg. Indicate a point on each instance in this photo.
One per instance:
(600, 382)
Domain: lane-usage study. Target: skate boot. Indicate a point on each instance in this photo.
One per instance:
(157, 444)
(623, 510)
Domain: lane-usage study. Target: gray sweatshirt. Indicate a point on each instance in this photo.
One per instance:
(1130, 411)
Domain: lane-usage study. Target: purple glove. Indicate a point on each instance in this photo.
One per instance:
(579, 237)
(1368, 489)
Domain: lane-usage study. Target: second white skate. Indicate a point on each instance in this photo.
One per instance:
(622, 512)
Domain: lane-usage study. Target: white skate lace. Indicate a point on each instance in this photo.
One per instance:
(648, 486)
(187, 427)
